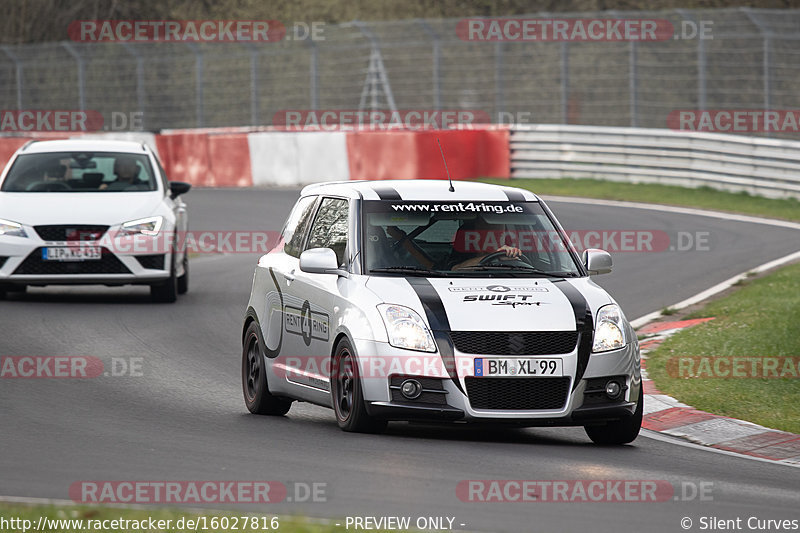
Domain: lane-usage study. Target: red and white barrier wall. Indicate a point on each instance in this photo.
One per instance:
(243, 158)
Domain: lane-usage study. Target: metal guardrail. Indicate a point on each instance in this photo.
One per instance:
(762, 167)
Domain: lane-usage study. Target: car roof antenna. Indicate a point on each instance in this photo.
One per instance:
(452, 189)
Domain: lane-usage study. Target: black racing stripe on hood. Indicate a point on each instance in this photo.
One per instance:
(584, 323)
(514, 196)
(387, 193)
(440, 324)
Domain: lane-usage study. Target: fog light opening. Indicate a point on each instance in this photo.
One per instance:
(613, 389)
(411, 389)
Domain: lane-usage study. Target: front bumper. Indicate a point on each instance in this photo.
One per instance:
(581, 405)
(21, 262)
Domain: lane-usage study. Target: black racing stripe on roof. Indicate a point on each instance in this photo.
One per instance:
(385, 192)
(514, 196)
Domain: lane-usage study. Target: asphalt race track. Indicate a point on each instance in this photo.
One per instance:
(184, 418)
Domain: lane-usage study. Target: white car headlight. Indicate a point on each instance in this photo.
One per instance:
(12, 229)
(143, 226)
(609, 330)
(406, 328)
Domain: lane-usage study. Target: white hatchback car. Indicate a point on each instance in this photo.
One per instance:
(406, 300)
(91, 212)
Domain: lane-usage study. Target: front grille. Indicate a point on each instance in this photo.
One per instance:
(155, 261)
(514, 343)
(107, 264)
(71, 232)
(434, 398)
(517, 393)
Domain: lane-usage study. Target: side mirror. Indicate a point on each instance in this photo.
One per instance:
(597, 261)
(176, 188)
(320, 261)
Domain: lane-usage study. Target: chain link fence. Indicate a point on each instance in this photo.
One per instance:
(752, 61)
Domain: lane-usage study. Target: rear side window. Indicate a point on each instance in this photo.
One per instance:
(330, 227)
(296, 225)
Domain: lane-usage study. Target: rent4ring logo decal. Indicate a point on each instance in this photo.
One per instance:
(306, 323)
(501, 295)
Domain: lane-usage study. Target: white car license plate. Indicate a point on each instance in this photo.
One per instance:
(71, 253)
(517, 367)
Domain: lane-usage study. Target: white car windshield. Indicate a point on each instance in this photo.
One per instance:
(80, 172)
(466, 238)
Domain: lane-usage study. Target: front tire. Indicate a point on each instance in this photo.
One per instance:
(257, 397)
(348, 395)
(167, 290)
(183, 281)
(620, 431)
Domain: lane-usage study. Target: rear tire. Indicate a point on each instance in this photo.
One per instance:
(347, 394)
(620, 431)
(257, 397)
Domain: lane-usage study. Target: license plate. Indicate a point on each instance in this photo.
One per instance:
(517, 367)
(71, 253)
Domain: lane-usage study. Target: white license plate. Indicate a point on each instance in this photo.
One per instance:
(517, 367)
(71, 253)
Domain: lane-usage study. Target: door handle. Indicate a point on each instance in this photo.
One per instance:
(289, 276)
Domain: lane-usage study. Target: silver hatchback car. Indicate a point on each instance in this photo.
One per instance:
(406, 300)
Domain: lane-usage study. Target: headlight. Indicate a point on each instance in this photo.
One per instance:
(12, 229)
(406, 329)
(609, 331)
(143, 226)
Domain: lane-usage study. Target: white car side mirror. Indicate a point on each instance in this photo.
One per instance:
(597, 261)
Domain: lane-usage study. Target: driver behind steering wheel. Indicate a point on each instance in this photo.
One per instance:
(478, 227)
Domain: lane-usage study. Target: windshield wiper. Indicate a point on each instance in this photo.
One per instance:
(521, 268)
(413, 270)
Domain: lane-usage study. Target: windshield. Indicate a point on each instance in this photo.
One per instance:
(494, 239)
(80, 172)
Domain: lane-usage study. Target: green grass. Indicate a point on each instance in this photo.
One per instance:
(33, 512)
(704, 197)
(759, 319)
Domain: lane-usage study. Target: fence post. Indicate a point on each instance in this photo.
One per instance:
(766, 60)
(313, 74)
(198, 71)
(18, 69)
(499, 93)
(81, 74)
(139, 79)
(254, 119)
(633, 85)
(437, 57)
(564, 82)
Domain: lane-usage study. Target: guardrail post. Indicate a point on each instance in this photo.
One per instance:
(81, 74)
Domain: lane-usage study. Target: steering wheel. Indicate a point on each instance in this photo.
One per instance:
(494, 256)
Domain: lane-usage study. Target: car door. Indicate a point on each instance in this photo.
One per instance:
(317, 293)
